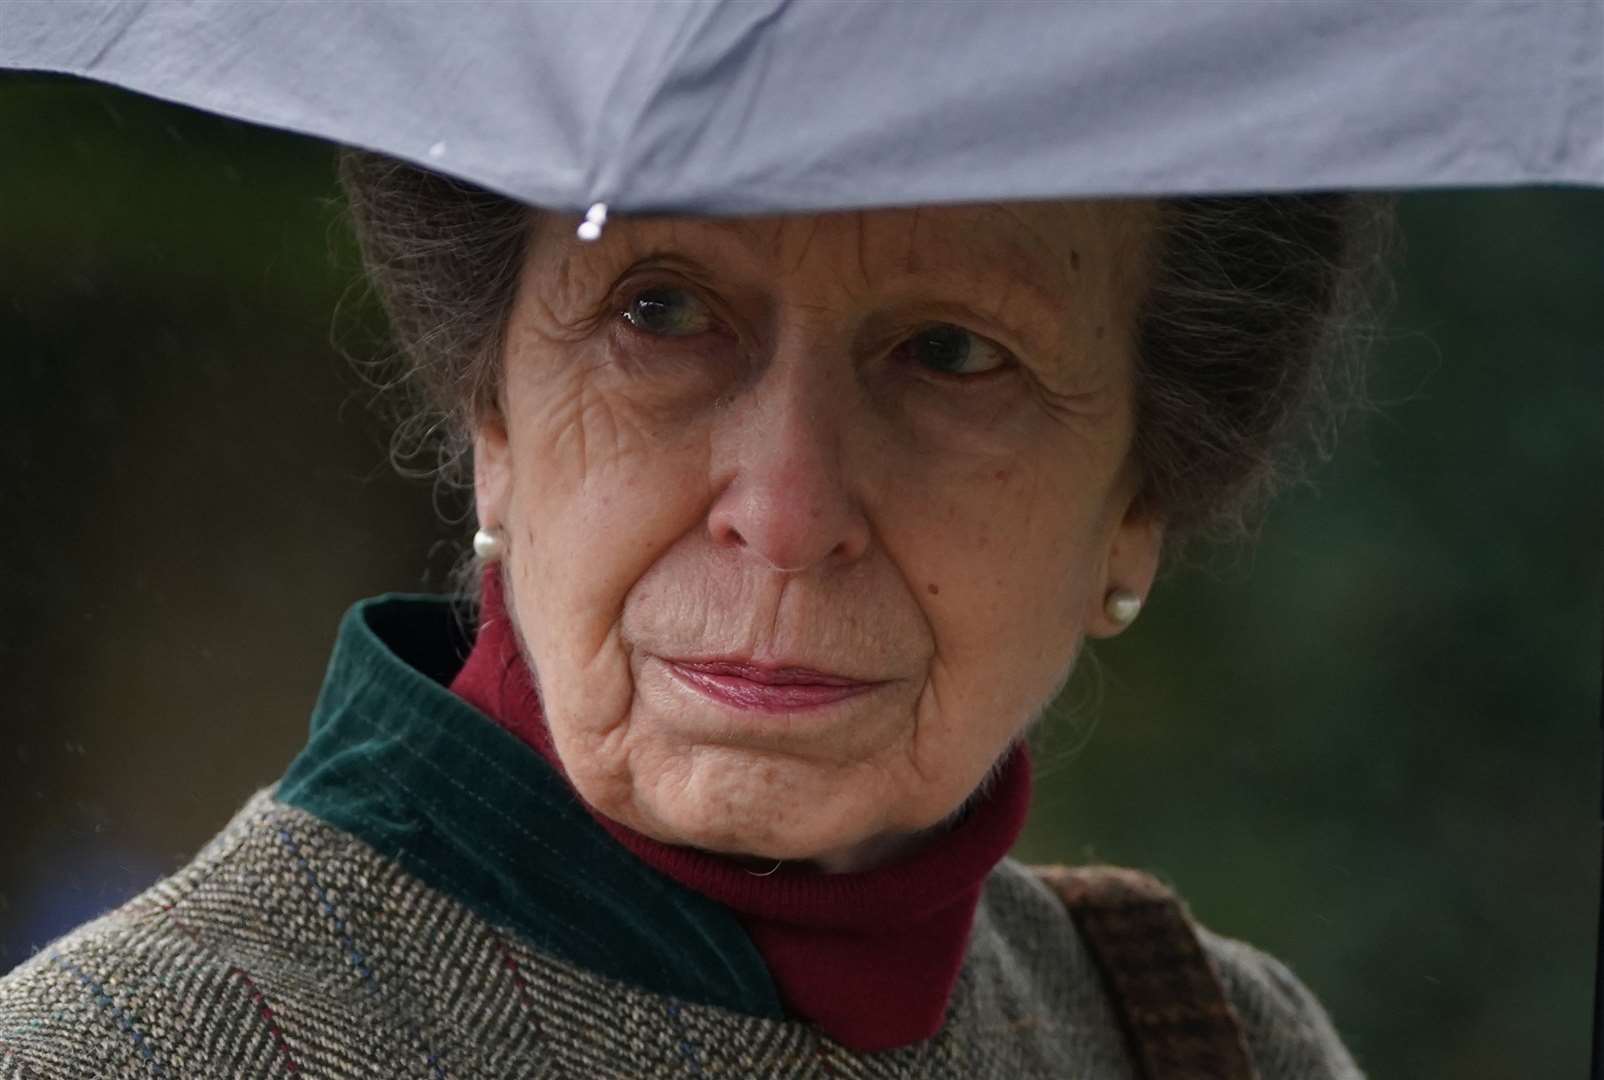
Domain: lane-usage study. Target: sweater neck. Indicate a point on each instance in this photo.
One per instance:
(870, 958)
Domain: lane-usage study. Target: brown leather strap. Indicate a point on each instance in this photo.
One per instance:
(1177, 1020)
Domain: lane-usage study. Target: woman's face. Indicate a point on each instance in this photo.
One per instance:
(805, 518)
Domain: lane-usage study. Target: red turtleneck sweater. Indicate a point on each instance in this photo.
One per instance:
(870, 958)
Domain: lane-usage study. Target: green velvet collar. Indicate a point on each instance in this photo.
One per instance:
(398, 760)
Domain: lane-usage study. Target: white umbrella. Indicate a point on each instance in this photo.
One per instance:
(775, 106)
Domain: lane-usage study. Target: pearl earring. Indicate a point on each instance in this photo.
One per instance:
(487, 545)
(1122, 606)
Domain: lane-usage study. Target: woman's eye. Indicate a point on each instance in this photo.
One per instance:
(668, 312)
(952, 350)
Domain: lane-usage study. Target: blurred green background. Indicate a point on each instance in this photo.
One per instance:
(1369, 745)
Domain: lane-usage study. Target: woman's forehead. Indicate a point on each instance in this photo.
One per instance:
(1049, 247)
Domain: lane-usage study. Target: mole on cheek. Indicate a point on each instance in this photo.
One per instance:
(1000, 475)
(935, 590)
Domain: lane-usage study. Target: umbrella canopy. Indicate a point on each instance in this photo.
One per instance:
(775, 106)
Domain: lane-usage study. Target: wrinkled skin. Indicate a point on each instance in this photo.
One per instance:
(891, 445)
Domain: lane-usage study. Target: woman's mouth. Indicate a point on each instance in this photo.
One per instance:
(743, 685)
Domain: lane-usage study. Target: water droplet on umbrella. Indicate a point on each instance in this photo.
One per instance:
(591, 228)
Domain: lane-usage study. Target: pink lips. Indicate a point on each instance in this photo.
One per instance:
(766, 689)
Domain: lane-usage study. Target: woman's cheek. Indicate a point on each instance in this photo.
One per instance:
(602, 490)
(599, 463)
(1002, 580)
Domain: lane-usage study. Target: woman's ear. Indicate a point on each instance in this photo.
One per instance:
(1129, 568)
(492, 471)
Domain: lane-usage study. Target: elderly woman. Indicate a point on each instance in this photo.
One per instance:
(788, 530)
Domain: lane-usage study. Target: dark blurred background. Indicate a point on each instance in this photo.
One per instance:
(1369, 745)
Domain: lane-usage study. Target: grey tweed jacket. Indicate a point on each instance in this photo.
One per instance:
(288, 948)
(385, 910)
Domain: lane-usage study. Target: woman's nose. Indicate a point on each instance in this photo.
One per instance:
(786, 493)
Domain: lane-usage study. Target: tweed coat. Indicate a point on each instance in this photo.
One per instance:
(386, 909)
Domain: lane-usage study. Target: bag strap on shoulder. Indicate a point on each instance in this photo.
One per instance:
(1165, 991)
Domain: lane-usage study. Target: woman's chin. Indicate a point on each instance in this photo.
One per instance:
(755, 833)
(763, 811)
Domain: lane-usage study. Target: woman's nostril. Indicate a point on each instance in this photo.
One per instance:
(784, 533)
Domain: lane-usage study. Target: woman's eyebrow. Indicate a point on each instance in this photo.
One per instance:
(653, 257)
(701, 248)
(982, 257)
(990, 274)
(1012, 296)
(1003, 274)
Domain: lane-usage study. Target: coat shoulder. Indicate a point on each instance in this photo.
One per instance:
(1024, 922)
(283, 947)
(108, 998)
(1287, 1030)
